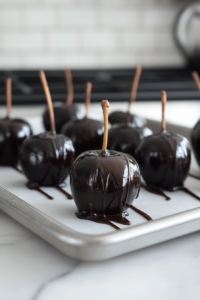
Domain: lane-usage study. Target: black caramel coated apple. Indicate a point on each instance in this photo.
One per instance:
(46, 158)
(12, 133)
(195, 138)
(63, 113)
(117, 117)
(86, 134)
(126, 137)
(164, 160)
(104, 183)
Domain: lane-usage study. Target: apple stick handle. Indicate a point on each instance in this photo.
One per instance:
(195, 76)
(49, 101)
(8, 95)
(87, 97)
(164, 100)
(105, 106)
(70, 89)
(134, 86)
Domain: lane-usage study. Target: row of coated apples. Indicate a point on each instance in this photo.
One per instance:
(103, 182)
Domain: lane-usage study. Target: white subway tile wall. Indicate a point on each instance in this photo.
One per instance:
(88, 33)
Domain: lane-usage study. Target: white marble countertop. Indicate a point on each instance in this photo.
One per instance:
(31, 269)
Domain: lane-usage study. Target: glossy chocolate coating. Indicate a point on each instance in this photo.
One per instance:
(117, 117)
(104, 183)
(126, 137)
(62, 114)
(164, 160)
(46, 158)
(195, 138)
(86, 134)
(12, 133)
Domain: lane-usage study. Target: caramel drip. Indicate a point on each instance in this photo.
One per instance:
(158, 191)
(97, 219)
(155, 191)
(99, 172)
(119, 219)
(140, 212)
(35, 186)
(64, 192)
(187, 191)
(194, 176)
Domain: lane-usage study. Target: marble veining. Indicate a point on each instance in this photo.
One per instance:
(48, 283)
(33, 270)
(11, 239)
(159, 272)
(27, 262)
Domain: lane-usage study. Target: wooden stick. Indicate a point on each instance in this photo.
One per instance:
(70, 89)
(8, 96)
(164, 100)
(87, 97)
(195, 76)
(134, 88)
(49, 101)
(105, 106)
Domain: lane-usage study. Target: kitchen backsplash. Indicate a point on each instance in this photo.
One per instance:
(88, 33)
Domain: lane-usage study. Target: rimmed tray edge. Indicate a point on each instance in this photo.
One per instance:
(98, 247)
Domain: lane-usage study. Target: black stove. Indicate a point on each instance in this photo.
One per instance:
(114, 85)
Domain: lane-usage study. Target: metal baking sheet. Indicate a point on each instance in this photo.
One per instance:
(55, 220)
